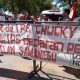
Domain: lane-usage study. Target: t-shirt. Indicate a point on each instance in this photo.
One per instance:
(2, 18)
(64, 19)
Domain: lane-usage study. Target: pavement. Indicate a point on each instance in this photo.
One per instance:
(17, 68)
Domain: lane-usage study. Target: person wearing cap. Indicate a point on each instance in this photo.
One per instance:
(65, 16)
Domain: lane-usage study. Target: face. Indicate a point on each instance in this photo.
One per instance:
(64, 13)
(1, 14)
(14, 14)
(36, 16)
(44, 17)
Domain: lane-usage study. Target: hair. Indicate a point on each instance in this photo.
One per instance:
(67, 11)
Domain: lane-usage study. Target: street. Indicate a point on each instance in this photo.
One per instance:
(17, 68)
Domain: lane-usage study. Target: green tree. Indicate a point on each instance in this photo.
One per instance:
(32, 6)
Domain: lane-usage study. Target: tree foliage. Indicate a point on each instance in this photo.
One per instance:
(32, 6)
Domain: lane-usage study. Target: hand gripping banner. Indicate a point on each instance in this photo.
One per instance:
(56, 42)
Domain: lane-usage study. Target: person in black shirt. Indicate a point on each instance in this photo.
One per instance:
(65, 16)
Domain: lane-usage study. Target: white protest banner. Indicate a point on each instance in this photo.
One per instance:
(57, 42)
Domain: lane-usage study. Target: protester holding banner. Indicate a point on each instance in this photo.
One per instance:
(15, 16)
(65, 16)
(45, 18)
(23, 15)
(35, 17)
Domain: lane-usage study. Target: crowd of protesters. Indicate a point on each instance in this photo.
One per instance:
(23, 16)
